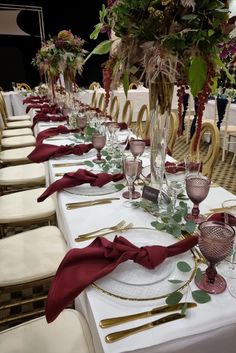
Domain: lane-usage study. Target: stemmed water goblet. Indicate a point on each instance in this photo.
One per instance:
(215, 242)
(130, 168)
(112, 128)
(197, 188)
(81, 122)
(137, 147)
(99, 142)
(175, 179)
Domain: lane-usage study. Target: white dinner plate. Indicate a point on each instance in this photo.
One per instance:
(134, 282)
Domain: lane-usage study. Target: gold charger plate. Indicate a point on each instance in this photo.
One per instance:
(131, 281)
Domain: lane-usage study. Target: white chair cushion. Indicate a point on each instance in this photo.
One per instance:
(18, 117)
(16, 154)
(30, 256)
(17, 132)
(22, 206)
(69, 333)
(16, 124)
(22, 174)
(18, 141)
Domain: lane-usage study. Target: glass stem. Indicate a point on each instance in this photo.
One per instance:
(195, 211)
(211, 273)
(130, 189)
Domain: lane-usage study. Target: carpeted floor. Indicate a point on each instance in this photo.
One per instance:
(224, 174)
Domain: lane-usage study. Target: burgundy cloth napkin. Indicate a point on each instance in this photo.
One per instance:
(173, 168)
(220, 217)
(81, 176)
(43, 117)
(81, 267)
(49, 110)
(44, 151)
(53, 131)
(36, 106)
(122, 126)
(34, 99)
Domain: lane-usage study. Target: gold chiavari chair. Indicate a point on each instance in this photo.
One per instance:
(94, 100)
(23, 85)
(101, 102)
(94, 85)
(133, 85)
(143, 126)
(127, 113)
(114, 108)
(209, 157)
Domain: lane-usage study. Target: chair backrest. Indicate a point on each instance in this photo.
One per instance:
(94, 100)
(101, 102)
(172, 133)
(133, 85)
(127, 112)
(24, 86)
(115, 108)
(142, 129)
(94, 85)
(207, 156)
(3, 109)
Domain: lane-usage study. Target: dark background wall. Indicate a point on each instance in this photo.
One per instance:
(16, 52)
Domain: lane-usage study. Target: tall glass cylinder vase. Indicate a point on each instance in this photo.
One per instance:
(160, 100)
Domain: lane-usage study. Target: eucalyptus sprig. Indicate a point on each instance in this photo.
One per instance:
(170, 221)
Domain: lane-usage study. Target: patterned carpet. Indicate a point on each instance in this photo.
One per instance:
(224, 174)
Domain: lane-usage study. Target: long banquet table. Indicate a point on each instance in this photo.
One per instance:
(209, 328)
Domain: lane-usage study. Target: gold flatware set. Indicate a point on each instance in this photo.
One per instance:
(115, 336)
(74, 205)
(67, 164)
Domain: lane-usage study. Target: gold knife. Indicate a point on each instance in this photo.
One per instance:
(67, 164)
(88, 204)
(84, 202)
(161, 309)
(115, 336)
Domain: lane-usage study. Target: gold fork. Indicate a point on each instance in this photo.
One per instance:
(115, 227)
(129, 226)
(196, 253)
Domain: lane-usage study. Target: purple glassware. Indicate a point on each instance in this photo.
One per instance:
(137, 147)
(131, 169)
(99, 142)
(81, 122)
(197, 188)
(215, 242)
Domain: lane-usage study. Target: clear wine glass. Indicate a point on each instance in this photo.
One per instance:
(99, 142)
(131, 169)
(197, 188)
(215, 242)
(193, 165)
(137, 147)
(175, 180)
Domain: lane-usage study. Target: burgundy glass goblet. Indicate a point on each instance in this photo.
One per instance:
(137, 147)
(81, 122)
(215, 242)
(99, 142)
(130, 167)
(197, 188)
(135, 194)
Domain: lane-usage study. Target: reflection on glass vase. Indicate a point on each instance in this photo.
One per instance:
(160, 99)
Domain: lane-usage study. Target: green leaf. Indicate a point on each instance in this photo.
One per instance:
(211, 32)
(88, 163)
(175, 281)
(183, 266)
(199, 275)
(96, 31)
(158, 225)
(184, 308)
(197, 74)
(177, 217)
(201, 297)
(119, 186)
(189, 17)
(102, 48)
(189, 227)
(174, 229)
(174, 298)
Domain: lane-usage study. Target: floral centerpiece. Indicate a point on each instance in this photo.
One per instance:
(169, 41)
(61, 54)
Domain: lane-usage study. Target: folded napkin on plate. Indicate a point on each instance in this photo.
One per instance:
(44, 117)
(81, 176)
(49, 110)
(122, 126)
(35, 99)
(81, 267)
(44, 152)
(53, 131)
(173, 168)
(36, 106)
(220, 217)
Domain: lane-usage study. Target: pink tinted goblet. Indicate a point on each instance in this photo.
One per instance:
(197, 188)
(99, 142)
(215, 242)
(137, 147)
(81, 122)
(131, 169)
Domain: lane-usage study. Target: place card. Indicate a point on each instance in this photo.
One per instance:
(150, 193)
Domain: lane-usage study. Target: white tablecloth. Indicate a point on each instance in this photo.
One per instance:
(209, 328)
